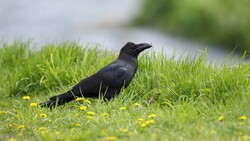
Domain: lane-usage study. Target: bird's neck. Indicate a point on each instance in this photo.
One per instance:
(128, 58)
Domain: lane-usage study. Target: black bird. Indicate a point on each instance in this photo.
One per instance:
(108, 81)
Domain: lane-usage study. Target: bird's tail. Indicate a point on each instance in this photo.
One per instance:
(58, 100)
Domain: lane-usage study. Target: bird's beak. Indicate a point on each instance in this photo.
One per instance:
(143, 46)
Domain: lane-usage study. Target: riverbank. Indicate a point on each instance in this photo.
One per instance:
(223, 24)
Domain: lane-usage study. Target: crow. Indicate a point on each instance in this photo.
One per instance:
(108, 81)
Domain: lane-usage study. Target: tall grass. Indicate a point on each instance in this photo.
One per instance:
(55, 65)
(187, 95)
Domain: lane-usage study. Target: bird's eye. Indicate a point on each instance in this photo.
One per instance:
(133, 47)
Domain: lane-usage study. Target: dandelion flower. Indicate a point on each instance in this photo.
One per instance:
(221, 118)
(11, 139)
(44, 132)
(87, 101)
(20, 126)
(143, 125)
(43, 129)
(140, 120)
(33, 104)
(241, 123)
(83, 108)
(242, 118)
(137, 105)
(43, 115)
(246, 138)
(150, 121)
(111, 138)
(79, 99)
(90, 113)
(90, 117)
(123, 130)
(26, 97)
(130, 133)
(3, 112)
(78, 125)
(123, 108)
(76, 115)
(152, 116)
(213, 132)
(105, 114)
(72, 130)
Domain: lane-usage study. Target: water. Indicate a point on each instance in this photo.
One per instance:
(92, 21)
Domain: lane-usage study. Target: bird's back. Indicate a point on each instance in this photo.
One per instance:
(107, 81)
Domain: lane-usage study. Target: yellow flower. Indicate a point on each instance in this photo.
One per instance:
(26, 97)
(242, 118)
(152, 116)
(123, 130)
(83, 108)
(140, 120)
(33, 104)
(11, 139)
(150, 121)
(20, 127)
(137, 105)
(105, 114)
(143, 125)
(213, 132)
(44, 132)
(79, 99)
(43, 115)
(78, 125)
(87, 101)
(76, 115)
(90, 117)
(123, 108)
(3, 112)
(130, 133)
(72, 130)
(221, 118)
(43, 129)
(246, 138)
(111, 138)
(90, 113)
(241, 123)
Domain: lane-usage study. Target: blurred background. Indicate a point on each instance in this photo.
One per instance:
(221, 26)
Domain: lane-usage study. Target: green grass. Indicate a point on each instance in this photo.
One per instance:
(187, 96)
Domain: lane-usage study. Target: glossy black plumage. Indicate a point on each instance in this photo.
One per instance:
(108, 81)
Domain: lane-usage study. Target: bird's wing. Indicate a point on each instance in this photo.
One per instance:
(111, 76)
(114, 74)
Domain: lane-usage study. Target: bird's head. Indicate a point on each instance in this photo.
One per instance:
(132, 49)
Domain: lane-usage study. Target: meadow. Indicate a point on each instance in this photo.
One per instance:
(170, 98)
